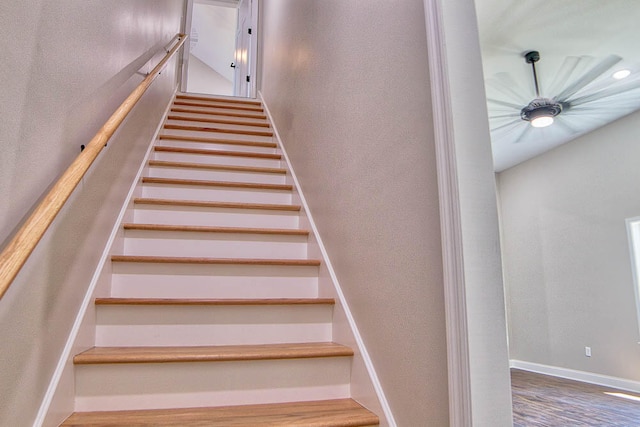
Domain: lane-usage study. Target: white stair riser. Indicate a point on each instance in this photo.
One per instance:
(171, 385)
(215, 194)
(226, 135)
(214, 245)
(126, 325)
(215, 175)
(223, 126)
(219, 105)
(223, 217)
(210, 116)
(216, 159)
(135, 280)
(214, 146)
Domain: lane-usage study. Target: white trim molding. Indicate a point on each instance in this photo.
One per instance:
(582, 376)
(460, 410)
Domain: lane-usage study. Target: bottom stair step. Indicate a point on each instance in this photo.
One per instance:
(325, 413)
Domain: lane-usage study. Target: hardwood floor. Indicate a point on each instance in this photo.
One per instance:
(541, 400)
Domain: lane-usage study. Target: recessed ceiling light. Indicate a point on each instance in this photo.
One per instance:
(621, 74)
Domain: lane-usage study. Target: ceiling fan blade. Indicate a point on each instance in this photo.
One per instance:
(605, 93)
(505, 103)
(506, 126)
(565, 71)
(588, 77)
(566, 126)
(523, 134)
(504, 83)
(505, 116)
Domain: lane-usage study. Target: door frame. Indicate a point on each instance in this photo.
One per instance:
(252, 51)
(479, 382)
(186, 50)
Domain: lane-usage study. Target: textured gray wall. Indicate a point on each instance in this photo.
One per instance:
(347, 82)
(66, 66)
(566, 253)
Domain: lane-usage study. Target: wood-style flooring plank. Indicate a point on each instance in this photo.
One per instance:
(546, 401)
(221, 353)
(328, 413)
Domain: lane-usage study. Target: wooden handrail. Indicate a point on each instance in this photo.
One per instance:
(16, 253)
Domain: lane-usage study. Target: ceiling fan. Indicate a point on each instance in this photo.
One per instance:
(584, 96)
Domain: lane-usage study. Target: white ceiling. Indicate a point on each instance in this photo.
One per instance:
(557, 29)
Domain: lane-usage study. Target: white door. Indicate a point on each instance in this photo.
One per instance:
(245, 49)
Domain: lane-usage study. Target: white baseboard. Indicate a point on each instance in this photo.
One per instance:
(571, 374)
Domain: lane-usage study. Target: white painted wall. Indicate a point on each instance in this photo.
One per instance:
(66, 66)
(204, 79)
(347, 84)
(216, 29)
(566, 254)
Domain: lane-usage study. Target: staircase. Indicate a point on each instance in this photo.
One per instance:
(214, 317)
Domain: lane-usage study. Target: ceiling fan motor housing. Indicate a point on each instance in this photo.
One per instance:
(532, 56)
(540, 107)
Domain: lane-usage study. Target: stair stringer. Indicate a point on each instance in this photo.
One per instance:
(365, 385)
(59, 401)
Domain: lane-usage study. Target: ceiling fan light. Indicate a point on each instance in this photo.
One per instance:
(540, 112)
(621, 74)
(542, 121)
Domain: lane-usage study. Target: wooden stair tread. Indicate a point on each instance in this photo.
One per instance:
(205, 183)
(223, 353)
(215, 229)
(213, 302)
(217, 152)
(225, 205)
(218, 113)
(217, 104)
(215, 261)
(219, 121)
(228, 168)
(218, 129)
(218, 99)
(219, 141)
(326, 413)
